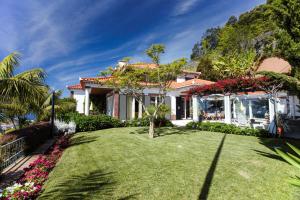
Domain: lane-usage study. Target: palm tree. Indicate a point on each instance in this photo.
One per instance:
(25, 86)
(62, 105)
(19, 93)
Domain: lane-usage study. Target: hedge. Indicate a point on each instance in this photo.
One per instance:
(159, 122)
(226, 128)
(35, 135)
(92, 122)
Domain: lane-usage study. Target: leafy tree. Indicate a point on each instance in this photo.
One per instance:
(205, 66)
(132, 81)
(196, 51)
(286, 14)
(234, 65)
(252, 30)
(231, 21)
(209, 42)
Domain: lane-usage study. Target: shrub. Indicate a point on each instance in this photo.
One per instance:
(92, 122)
(35, 135)
(64, 127)
(144, 121)
(226, 128)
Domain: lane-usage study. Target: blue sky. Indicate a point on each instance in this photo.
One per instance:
(72, 39)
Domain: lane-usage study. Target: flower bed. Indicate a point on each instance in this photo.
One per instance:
(30, 183)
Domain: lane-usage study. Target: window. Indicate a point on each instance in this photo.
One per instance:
(155, 100)
(152, 100)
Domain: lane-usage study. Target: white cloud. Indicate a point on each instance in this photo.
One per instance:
(184, 6)
(44, 31)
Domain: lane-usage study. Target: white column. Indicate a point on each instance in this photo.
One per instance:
(133, 108)
(195, 108)
(87, 101)
(173, 107)
(140, 110)
(250, 110)
(227, 109)
(271, 110)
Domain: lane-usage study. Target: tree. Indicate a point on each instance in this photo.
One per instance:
(132, 81)
(19, 92)
(26, 85)
(209, 42)
(231, 21)
(196, 51)
(62, 106)
(286, 14)
(205, 66)
(234, 65)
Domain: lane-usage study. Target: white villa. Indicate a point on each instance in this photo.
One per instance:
(255, 109)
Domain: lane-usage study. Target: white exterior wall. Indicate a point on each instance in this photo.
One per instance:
(227, 109)
(79, 96)
(173, 105)
(195, 108)
(109, 105)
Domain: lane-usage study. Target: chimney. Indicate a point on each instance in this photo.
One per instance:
(122, 63)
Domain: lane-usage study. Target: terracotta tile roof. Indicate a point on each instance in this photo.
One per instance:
(144, 65)
(192, 82)
(190, 72)
(75, 87)
(94, 79)
(275, 64)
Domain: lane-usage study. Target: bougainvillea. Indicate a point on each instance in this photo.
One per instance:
(230, 86)
(30, 184)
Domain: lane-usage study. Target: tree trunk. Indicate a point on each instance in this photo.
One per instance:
(13, 122)
(151, 128)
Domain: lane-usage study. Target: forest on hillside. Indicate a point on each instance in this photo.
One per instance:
(234, 50)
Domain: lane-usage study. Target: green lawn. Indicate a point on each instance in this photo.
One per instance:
(181, 164)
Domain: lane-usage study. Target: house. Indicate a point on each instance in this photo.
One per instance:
(94, 96)
(255, 109)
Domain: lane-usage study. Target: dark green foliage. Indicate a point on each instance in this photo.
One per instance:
(35, 135)
(92, 122)
(159, 122)
(288, 83)
(226, 128)
(231, 21)
(286, 14)
(209, 41)
(271, 29)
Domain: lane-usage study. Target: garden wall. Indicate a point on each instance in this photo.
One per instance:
(35, 135)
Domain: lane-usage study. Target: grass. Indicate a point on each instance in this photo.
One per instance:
(181, 164)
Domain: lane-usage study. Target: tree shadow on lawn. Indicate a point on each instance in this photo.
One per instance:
(84, 186)
(273, 143)
(78, 140)
(210, 174)
(165, 131)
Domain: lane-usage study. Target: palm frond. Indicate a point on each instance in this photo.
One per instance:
(9, 64)
(27, 85)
